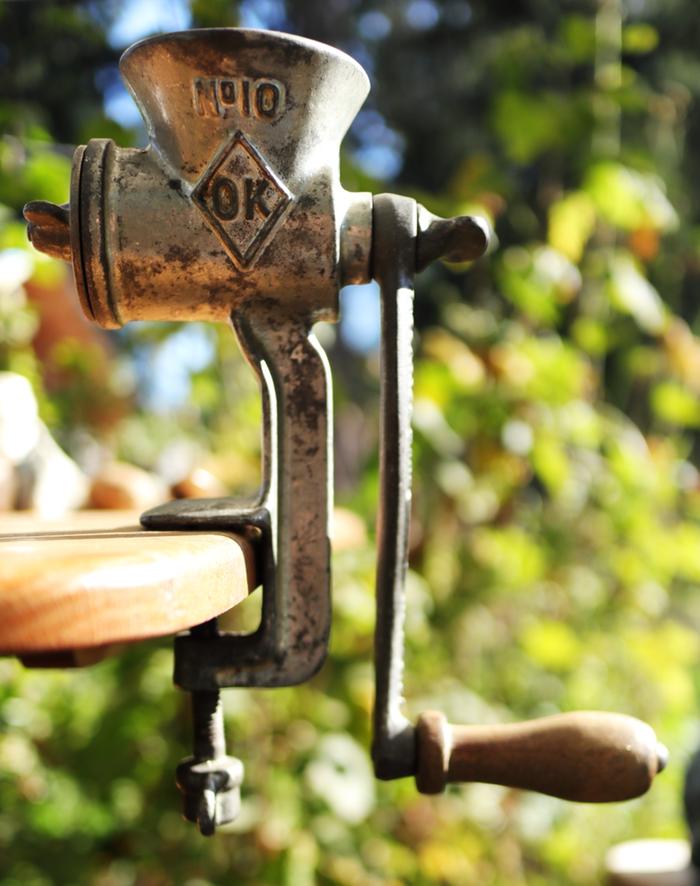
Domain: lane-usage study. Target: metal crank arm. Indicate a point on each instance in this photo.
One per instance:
(584, 756)
(395, 226)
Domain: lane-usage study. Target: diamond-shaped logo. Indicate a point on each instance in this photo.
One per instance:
(242, 199)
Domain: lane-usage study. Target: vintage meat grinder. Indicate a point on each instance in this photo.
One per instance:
(235, 213)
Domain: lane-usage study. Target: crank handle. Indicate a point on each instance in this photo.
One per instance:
(585, 756)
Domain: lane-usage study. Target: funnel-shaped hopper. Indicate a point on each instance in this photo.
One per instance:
(293, 98)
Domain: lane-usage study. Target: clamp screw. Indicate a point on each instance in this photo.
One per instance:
(210, 780)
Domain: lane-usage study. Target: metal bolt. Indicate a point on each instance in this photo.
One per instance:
(210, 780)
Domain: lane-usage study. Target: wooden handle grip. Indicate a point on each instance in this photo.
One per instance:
(587, 756)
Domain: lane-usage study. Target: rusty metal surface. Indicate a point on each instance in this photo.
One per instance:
(237, 196)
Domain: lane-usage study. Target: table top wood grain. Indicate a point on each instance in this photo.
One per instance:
(96, 578)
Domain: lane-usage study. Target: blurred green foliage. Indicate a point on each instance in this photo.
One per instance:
(556, 537)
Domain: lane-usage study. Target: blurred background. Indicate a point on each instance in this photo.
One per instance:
(555, 555)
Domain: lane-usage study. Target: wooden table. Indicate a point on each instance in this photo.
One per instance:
(96, 579)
